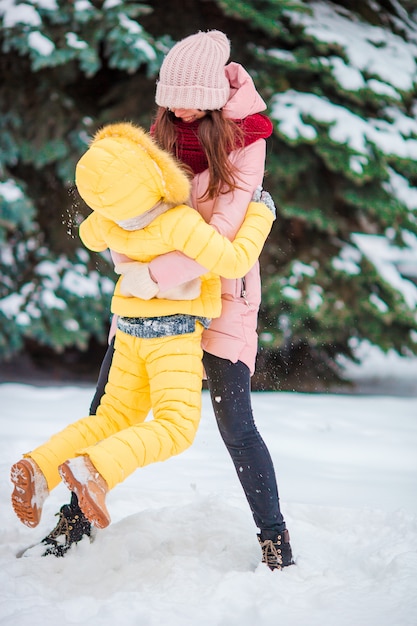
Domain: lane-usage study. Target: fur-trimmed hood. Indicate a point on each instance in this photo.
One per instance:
(124, 174)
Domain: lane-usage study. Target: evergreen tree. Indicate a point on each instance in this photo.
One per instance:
(65, 68)
(341, 89)
(339, 82)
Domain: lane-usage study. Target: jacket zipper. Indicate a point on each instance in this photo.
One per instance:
(243, 293)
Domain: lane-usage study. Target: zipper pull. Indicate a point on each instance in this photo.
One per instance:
(243, 294)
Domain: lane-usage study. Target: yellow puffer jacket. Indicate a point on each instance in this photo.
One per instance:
(124, 175)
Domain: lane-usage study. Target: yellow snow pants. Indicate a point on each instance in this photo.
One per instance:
(163, 374)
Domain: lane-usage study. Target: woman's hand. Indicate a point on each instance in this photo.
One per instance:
(136, 280)
(260, 195)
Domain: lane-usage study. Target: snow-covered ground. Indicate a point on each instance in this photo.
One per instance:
(182, 548)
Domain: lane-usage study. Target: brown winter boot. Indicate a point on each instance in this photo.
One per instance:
(81, 477)
(276, 553)
(29, 493)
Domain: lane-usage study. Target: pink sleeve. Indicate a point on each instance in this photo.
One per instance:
(174, 268)
(117, 257)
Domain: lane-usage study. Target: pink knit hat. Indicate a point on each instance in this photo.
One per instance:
(192, 75)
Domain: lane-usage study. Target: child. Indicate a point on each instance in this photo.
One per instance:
(137, 192)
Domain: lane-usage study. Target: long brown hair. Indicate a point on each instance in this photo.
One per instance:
(218, 137)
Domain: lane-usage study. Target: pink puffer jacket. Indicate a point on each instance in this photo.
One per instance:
(233, 335)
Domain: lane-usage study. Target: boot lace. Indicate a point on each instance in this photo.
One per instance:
(62, 528)
(271, 553)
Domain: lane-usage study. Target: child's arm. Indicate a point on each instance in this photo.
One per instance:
(184, 229)
(90, 233)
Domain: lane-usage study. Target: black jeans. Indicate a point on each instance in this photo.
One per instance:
(102, 378)
(229, 386)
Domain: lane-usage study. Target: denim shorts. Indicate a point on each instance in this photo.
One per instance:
(162, 326)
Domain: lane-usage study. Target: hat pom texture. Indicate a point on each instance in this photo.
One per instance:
(193, 76)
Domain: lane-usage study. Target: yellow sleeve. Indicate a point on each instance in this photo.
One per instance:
(182, 228)
(90, 233)
(230, 259)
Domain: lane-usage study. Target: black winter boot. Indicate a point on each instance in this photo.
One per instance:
(72, 526)
(276, 552)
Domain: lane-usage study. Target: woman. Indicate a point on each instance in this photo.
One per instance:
(209, 118)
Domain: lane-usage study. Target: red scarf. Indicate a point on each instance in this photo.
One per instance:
(191, 153)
